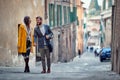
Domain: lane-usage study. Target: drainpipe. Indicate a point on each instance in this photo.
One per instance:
(46, 14)
(112, 36)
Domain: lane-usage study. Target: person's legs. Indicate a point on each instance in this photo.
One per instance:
(25, 69)
(48, 60)
(42, 51)
(26, 59)
(27, 65)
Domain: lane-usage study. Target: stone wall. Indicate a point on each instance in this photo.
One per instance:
(116, 38)
(108, 33)
(11, 14)
(64, 43)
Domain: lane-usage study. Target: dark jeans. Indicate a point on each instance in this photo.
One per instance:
(45, 54)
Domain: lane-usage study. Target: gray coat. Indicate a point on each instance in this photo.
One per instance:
(41, 38)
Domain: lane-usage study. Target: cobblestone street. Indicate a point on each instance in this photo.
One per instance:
(88, 67)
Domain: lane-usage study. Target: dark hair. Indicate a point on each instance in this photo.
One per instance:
(38, 17)
(26, 20)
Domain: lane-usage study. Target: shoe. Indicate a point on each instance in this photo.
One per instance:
(27, 70)
(43, 72)
(48, 71)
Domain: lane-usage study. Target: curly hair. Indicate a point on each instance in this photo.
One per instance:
(26, 20)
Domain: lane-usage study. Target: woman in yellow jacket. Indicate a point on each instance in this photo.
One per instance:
(25, 41)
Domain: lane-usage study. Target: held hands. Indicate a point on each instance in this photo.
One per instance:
(35, 44)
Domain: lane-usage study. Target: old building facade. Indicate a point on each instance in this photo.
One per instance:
(61, 15)
(106, 16)
(64, 22)
(80, 16)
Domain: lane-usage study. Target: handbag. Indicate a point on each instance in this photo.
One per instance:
(50, 46)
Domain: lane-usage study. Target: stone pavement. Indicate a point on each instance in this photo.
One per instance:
(87, 67)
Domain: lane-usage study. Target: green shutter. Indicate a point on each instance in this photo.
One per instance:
(109, 3)
(104, 4)
(73, 15)
(51, 15)
(60, 15)
(57, 15)
(84, 25)
(68, 14)
(65, 15)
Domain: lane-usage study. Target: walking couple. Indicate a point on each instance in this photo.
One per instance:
(41, 38)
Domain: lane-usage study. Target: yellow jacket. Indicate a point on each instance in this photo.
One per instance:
(22, 36)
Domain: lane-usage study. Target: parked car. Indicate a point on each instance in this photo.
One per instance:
(105, 54)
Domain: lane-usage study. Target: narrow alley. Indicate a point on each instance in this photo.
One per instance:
(87, 67)
(58, 31)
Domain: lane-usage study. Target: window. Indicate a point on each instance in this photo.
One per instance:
(69, 14)
(73, 15)
(59, 15)
(51, 15)
(65, 14)
(66, 0)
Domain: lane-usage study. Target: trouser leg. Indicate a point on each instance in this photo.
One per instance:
(48, 60)
(42, 51)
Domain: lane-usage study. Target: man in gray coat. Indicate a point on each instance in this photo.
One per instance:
(44, 34)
